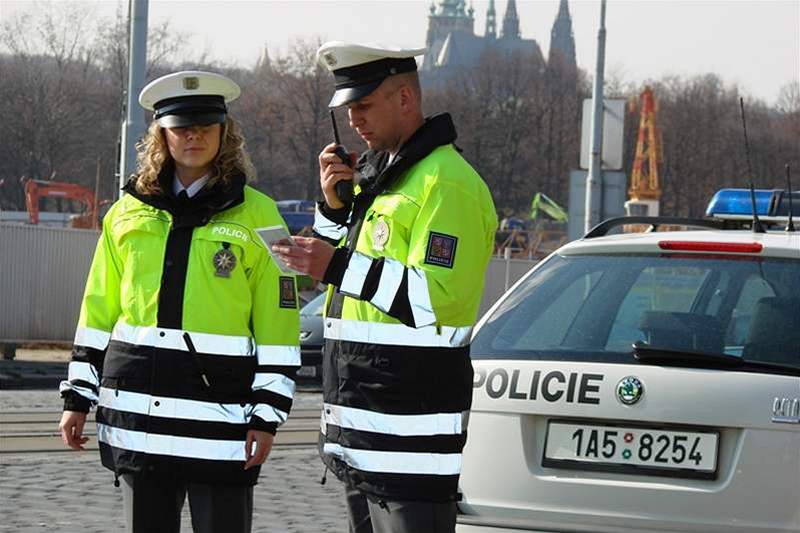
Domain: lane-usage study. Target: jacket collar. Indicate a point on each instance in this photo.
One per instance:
(195, 211)
(378, 175)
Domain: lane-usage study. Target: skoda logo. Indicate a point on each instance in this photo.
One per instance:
(630, 390)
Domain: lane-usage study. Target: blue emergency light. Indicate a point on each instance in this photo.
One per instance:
(738, 202)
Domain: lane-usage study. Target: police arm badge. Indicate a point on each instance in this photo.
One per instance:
(441, 249)
(287, 293)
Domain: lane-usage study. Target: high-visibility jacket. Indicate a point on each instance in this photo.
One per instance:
(188, 334)
(407, 284)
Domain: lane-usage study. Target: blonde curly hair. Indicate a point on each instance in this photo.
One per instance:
(153, 154)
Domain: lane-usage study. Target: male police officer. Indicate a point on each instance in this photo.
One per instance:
(406, 281)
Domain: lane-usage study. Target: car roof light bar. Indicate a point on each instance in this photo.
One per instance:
(738, 202)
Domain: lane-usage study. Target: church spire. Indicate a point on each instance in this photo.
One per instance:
(491, 22)
(510, 28)
(264, 61)
(562, 41)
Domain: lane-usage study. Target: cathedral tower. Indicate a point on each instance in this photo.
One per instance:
(510, 28)
(491, 22)
(562, 41)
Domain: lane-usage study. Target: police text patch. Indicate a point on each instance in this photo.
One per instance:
(441, 250)
(288, 295)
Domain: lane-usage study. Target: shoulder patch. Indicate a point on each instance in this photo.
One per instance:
(287, 293)
(441, 249)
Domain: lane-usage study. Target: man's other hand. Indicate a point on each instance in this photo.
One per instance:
(71, 427)
(308, 255)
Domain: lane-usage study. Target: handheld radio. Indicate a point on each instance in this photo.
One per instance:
(344, 188)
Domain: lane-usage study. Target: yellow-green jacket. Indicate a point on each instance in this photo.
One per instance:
(407, 283)
(188, 333)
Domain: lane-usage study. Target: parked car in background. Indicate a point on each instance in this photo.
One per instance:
(312, 339)
(298, 214)
(644, 382)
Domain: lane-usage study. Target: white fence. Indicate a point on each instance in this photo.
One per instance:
(42, 275)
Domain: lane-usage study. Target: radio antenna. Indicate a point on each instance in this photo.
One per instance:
(757, 227)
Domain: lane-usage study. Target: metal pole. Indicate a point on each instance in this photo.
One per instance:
(134, 126)
(594, 178)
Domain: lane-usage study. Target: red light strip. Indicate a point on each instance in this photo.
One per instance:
(729, 247)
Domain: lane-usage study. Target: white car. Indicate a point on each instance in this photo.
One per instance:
(644, 382)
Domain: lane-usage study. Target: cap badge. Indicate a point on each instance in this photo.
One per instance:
(191, 83)
(224, 261)
(380, 234)
(330, 59)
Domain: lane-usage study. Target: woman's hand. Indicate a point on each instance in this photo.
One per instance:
(263, 445)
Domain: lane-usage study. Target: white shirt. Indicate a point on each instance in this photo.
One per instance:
(192, 189)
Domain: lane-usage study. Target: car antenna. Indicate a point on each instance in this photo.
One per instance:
(790, 225)
(757, 227)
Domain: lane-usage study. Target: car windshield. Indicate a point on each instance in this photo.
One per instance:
(594, 307)
(315, 306)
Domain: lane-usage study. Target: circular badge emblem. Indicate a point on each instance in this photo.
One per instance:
(224, 262)
(630, 390)
(380, 234)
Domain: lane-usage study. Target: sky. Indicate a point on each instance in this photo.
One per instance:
(754, 44)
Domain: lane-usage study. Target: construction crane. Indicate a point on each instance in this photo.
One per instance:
(645, 191)
(35, 190)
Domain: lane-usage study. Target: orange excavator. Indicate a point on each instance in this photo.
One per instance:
(35, 190)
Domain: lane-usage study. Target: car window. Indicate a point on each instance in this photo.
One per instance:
(594, 307)
(657, 288)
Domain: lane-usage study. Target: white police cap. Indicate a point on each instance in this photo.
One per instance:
(360, 68)
(189, 97)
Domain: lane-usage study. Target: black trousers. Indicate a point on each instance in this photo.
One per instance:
(372, 515)
(153, 505)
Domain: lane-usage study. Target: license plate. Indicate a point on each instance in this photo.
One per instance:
(631, 449)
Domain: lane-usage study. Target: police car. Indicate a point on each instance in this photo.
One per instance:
(644, 382)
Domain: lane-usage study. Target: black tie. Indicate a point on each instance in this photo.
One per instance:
(183, 196)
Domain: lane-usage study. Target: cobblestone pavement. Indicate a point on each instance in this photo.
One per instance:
(71, 492)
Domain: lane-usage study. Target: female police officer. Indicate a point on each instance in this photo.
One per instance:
(188, 333)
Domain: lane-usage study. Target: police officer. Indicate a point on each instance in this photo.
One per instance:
(406, 282)
(188, 333)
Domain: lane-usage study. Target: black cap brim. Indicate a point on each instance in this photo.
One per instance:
(347, 95)
(192, 119)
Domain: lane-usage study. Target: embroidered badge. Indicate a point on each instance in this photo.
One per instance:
(224, 261)
(288, 295)
(441, 250)
(380, 234)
